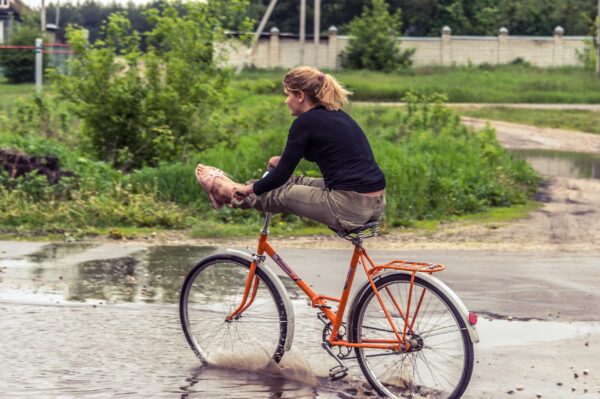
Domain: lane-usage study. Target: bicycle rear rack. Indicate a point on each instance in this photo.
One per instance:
(413, 267)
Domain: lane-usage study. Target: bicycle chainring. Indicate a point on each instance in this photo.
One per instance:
(343, 352)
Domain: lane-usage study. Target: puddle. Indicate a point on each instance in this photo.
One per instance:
(68, 272)
(57, 251)
(562, 164)
(498, 333)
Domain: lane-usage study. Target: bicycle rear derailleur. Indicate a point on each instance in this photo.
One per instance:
(343, 352)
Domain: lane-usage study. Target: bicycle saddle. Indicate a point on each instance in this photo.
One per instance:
(370, 229)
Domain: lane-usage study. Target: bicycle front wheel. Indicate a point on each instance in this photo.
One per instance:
(440, 363)
(212, 291)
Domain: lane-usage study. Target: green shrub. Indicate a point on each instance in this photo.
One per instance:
(373, 42)
(139, 108)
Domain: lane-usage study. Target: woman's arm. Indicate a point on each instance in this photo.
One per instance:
(292, 154)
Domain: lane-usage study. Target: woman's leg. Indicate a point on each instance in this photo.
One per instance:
(307, 181)
(340, 210)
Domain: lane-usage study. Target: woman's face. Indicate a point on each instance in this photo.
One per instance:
(294, 101)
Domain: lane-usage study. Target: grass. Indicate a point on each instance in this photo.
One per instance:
(485, 84)
(10, 92)
(585, 121)
(492, 218)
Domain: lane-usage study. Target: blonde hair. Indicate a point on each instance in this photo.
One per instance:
(321, 88)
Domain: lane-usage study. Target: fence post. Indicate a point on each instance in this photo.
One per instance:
(558, 51)
(332, 47)
(503, 45)
(39, 46)
(446, 46)
(274, 48)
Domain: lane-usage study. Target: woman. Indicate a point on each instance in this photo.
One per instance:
(352, 190)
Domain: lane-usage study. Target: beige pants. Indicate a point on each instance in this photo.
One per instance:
(308, 197)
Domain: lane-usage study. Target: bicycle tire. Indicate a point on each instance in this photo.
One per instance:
(210, 292)
(411, 374)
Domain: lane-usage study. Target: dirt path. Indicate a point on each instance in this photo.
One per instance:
(517, 136)
(581, 107)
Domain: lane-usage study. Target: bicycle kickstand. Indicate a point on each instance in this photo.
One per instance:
(338, 372)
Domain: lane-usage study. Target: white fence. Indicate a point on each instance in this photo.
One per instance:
(276, 50)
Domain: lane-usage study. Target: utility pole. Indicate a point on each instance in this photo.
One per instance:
(256, 37)
(302, 29)
(318, 30)
(43, 18)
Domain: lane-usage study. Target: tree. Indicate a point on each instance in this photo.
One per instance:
(373, 42)
(139, 108)
(589, 54)
(18, 65)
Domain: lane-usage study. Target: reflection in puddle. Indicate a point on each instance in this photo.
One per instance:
(56, 251)
(53, 275)
(562, 164)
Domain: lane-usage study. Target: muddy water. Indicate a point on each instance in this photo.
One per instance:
(563, 164)
(101, 320)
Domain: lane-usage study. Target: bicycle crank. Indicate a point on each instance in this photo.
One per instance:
(338, 372)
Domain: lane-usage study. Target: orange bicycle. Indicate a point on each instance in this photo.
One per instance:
(412, 336)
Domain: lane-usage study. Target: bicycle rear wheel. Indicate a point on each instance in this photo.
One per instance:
(441, 364)
(211, 291)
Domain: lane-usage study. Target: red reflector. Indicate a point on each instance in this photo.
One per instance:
(472, 318)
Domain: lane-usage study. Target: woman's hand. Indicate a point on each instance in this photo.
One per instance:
(242, 191)
(273, 162)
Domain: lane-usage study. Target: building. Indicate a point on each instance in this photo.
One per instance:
(10, 13)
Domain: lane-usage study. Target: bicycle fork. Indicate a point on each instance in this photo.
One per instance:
(253, 281)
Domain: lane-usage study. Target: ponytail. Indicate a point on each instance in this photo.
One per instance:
(321, 88)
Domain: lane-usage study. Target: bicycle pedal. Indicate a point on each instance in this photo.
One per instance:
(338, 372)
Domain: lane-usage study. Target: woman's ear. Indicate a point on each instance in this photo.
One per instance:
(301, 96)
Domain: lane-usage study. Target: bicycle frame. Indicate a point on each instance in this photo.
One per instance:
(359, 256)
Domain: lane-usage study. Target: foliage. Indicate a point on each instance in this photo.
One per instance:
(465, 17)
(138, 108)
(419, 18)
(589, 55)
(373, 42)
(18, 65)
(91, 15)
(435, 168)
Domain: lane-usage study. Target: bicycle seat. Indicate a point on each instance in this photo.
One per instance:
(370, 229)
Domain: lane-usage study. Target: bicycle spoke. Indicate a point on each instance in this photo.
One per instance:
(436, 367)
(214, 292)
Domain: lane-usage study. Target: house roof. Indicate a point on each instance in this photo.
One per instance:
(16, 6)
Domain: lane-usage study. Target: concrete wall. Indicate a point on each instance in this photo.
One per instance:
(276, 50)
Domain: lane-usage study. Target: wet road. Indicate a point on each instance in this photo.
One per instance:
(98, 320)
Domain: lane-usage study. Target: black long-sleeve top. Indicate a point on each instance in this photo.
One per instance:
(337, 144)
